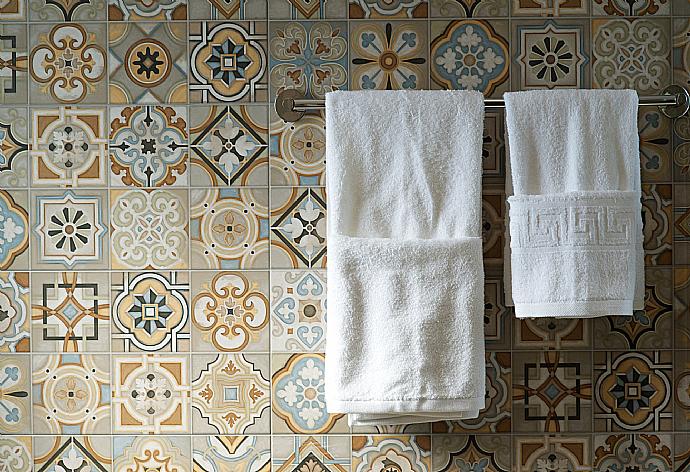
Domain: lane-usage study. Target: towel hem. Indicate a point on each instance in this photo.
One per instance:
(579, 309)
(374, 420)
(413, 407)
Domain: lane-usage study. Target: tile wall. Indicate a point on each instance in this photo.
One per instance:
(162, 236)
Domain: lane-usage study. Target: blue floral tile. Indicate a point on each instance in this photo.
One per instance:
(14, 228)
(15, 394)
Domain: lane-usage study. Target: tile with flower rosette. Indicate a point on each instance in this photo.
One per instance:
(15, 453)
(14, 227)
(298, 151)
(634, 452)
(73, 453)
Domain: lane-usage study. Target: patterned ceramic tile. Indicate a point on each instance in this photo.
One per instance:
(470, 55)
(681, 149)
(309, 57)
(228, 9)
(633, 452)
(389, 55)
(635, 8)
(493, 224)
(68, 147)
(15, 453)
(147, 61)
(622, 60)
(493, 149)
(463, 453)
(14, 144)
(681, 392)
(388, 9)
(468, 8)
(229, 228)
(68, 63)
(495, 416)
(14, 63)
(655, 145)
(551, 54)
(67, 10)
(148, 146)
(298, 227)
(70, 312)
(552, 392)
(298, 311)
(657, 217)
(71, 393)
(15, 394)
(133, 10)
(229, 145)
(299, 398)
(152, 453)
(550, 7)
(13, 10)
(70, 229)
(381, 453)
(681, 306)
(633, 391)
(230, 311)
(681, 223)
(552, 453)
(227, 62)
(14, 312)
(650, 328)
(231, 393)
(497, 317)
(298, 151)
(149, 229)
(150, 311)
(72, 453)
(552, 333)
(307, 9)
(151, 394)
(228, 453)
(681, 448)
(14, 230)
(311, 453)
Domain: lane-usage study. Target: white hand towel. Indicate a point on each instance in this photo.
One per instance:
(575, 242)
(405, 338)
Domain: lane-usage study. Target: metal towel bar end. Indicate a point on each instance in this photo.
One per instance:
(673, 102)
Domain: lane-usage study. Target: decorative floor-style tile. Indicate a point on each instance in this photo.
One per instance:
(621, 60)
(378, 452)
(389, 56)
(150, 311)
(493, 224)
(626, 8)
(469, 8)
(67, 10)
(681, 449)
(14, 308)
(462, 453)
(552, 392)
(552, 333)
(228, 62)
(231, 394)
(681, 394)
(551, 54)
(550, 8)
(552, 453)
(228, 9)
(229, 145)
(495, 416)
(681, 306)
(298, 151)
(298, 228)
(498, 317)
(330, 453)
(230, 311)
(149, 229)
(633, 452)
(388, 9)
(228, 453)
(307, 9)
(127, 10)
(71, 394)
(13, 10)
(470, 55)
(15, 394)
(309, 57)
(157, 453)
(655, 145)
(14, 63)
(70, 312)
(67, 452)
(148, 146)
(681, 223)
(14, 227)
(68, 147)
(15, 453)
(68, 63)
(298, 311)
(633, 391)
(650, 328)
(14, 145)
(299, 402)
(70, 229)
(147, 61)
(657, 217)
(151, 394)
(229, 228)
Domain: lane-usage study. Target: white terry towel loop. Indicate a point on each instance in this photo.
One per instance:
(575, 213)
(405, 278)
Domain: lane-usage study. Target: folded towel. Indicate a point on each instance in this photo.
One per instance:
(405, 278)
(575, 224)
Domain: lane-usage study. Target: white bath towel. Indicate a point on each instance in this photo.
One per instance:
(575, 225)
(405, 337)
